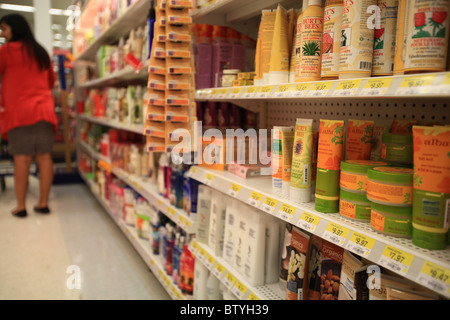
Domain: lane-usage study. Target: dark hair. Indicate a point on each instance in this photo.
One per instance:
(21, 31)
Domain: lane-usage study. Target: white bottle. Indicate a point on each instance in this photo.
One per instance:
(230, 231)
(241, 238)
(201, 274)
(254, 254)
(272, 250)
(135, 161)
(163, 163)
(217, 221)
(203, 213)
(213, 288)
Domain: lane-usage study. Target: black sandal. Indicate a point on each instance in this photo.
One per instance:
(20, 214)
(44, 210)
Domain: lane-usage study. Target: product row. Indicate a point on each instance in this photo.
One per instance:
(351, 39)
(265, 250)
(126, 105)
(404, 192)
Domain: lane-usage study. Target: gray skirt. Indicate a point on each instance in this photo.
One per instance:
(31, 140)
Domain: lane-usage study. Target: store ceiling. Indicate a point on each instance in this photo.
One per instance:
(62, 37)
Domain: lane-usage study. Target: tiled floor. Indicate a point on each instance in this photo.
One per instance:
(36, 253)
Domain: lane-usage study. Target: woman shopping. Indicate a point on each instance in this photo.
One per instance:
(27, 111)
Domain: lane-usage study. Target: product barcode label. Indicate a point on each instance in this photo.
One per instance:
(269, 205)
(365, 65)
(218, 270)
(396, 260)
(416, 85)
(208, 179)
(305, 174)
(336, 233)
(435, 277)
(239, 289)
(376, 87)
(360, 244)
(308, 222)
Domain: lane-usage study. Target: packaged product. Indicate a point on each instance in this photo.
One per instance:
(325, 264)
(331, 43)
(178, 33)
(394, 292)
(359, 139)
(297, 280)
(350, 263)
(203, 213)
(279, 58)
(286, 236)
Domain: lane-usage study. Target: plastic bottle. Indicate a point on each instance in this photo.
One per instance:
(356, 52)
(176, 257)
(151, 27)
(170, 241)
(298, 42)
(201, 274)
(163, 163)
(155, 240)
(135, 161)
(213, 288)
(189, 266)
(312, 36)
(332, 39)
(181, 262)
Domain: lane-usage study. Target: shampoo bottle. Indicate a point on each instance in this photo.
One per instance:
(272, 250)
(201, 275)
(254, 253)
(241, 238)
(203, 213)
(216, 222)
(230, 231)
(213, 288)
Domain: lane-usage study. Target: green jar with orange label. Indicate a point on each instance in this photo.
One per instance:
(392, 221)
(354, 174)
(354, 206)
(397, 148)
(391, 186)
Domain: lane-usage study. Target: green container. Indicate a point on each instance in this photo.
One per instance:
(430, 228)
(397, 148)
(354, 206)
(393, 221)
(390, 186)
(354, 174)
(327, 191)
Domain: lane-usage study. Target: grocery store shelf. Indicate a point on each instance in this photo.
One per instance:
(120, 77)
(135, 15)
(417, 264)
(233, 279)
(149, 191)
(136, 128)
(142, 246)
(435, 85)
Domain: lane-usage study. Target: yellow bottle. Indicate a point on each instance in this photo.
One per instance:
(298, 42)
(312, 33)
(331, 44)
(401, 37)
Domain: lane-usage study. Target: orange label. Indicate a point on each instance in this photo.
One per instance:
(331, 144)
(359, 139)
(401, 195)
(377, 221)
(347, 209)
(353, 181)
(432, 159)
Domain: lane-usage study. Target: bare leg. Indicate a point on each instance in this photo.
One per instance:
(45, 164)
(21, 173)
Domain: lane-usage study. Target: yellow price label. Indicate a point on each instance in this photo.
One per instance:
(284, 88)
(447, 79)
(396, 259)
(308, 221)
(320, 88)
(218, 270)
(336, 233)
(349, 84)
(209, 262)
(422, 81)
(435, 277)
(266, 89)
(269, 205)
(171, 211)
(234, 190)
(360, 244)
(223, 91)
(255, 199)
(187, 223)
(229, 279)
(202, 252)
(286, 212)
(239, 289)
(236, 90)
(300, 89)
(214, 92)
(209, 178)
(194, 245)
(253, 297)
(250, 91)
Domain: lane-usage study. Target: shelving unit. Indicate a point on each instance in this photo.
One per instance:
(421, 97)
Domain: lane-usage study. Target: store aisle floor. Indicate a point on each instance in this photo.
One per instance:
(37, 252)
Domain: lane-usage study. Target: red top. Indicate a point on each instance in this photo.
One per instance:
(26, 96)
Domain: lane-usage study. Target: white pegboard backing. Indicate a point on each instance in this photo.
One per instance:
(424, 110)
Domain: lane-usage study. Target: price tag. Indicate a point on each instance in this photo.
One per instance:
(300, 90)
(218, 270)
(229, 280)
(336, 233)
(269, 205)
(444, 88)
(171, 212)
(234, 190)
(209, 262)
(376, 87)
(213, 93)
(283, 90)
(435, 277)
(151, 262)
(239, 289)
(255, 199)
(264, 92)
(347, 88)
(360, 244)
(416, 85)
(208, 179)
(192, 171)
(308, 222)
(250, 92)
(222, 93)
(235, 92)
(286, 212)
(396, 260)
(194, 246)
(320, 89)
(201, 254)
(253, 296)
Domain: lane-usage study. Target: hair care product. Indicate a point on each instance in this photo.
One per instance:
(401, 36)
(385, 39)
(427, 36)
(331, 43)
(356, 52)
(390, 220)
(312, 36)
(203, 213)
(201, 275)
(279, 58)
(217, 221)
(254, 257)
(272, 252)
(213, 288)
